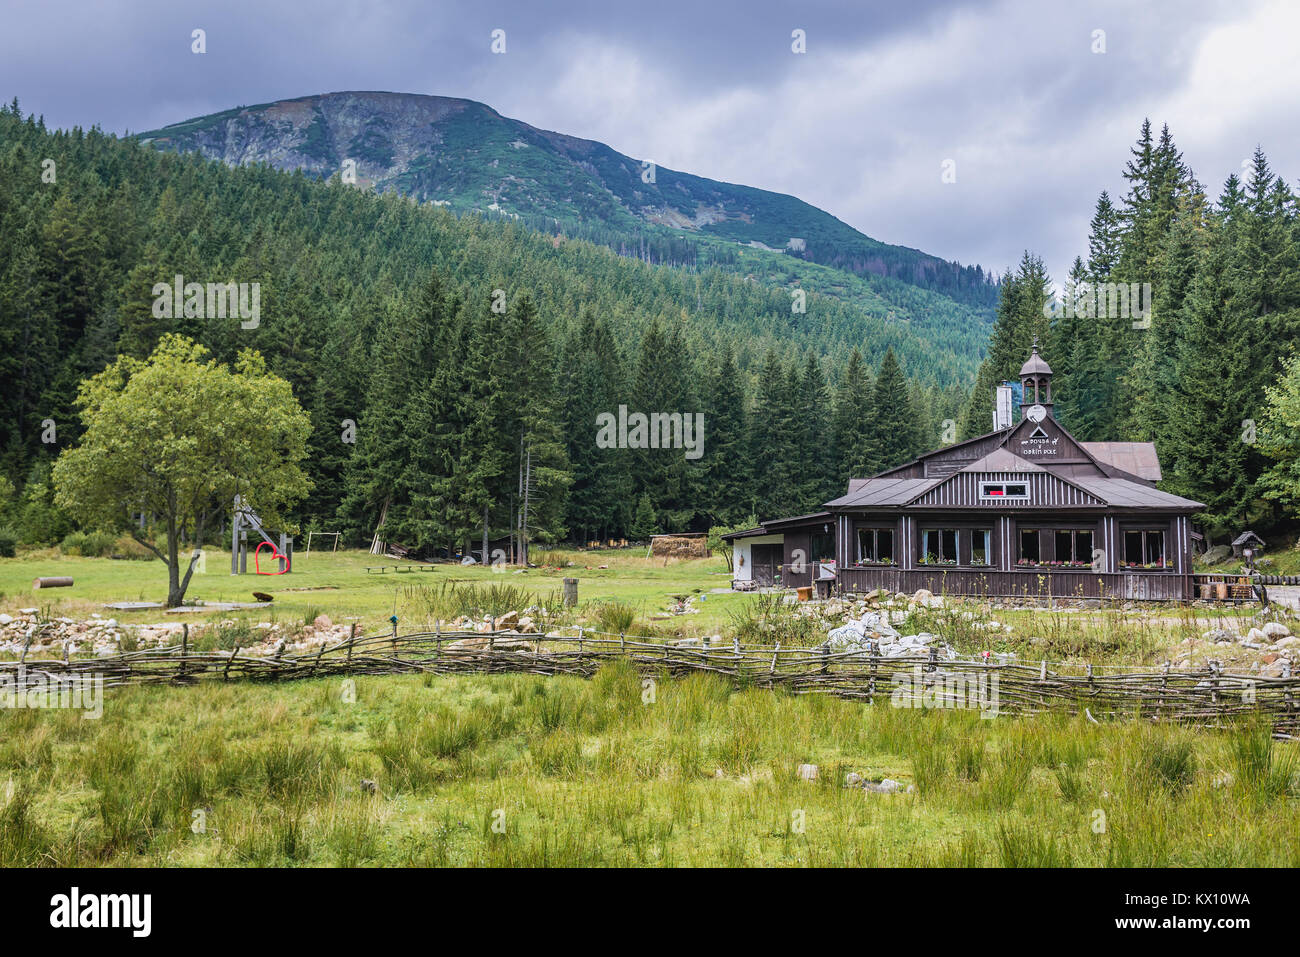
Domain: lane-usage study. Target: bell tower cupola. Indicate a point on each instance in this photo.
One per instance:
(1036, 386)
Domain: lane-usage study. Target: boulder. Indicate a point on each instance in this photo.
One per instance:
(323, 621)
(1255, 637)
(808, 772)
(509, 620)
(1216, 554)
(1275, 629)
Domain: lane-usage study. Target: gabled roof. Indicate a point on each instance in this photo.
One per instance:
(1000, 460)
(1125, 492)
(884, 491)
(1135, 458)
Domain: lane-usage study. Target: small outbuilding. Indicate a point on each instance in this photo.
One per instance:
(1245, 540)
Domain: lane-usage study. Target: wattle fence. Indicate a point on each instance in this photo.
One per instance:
(1206, 696)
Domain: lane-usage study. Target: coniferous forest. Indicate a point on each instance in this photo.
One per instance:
(453, 367)
(1207, 373)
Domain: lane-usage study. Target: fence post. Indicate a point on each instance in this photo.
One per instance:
(1164, 683)
(352, 640)
(873, 648)
(225, 675)
(185, 644)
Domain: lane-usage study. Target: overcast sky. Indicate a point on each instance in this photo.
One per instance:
(1036, 122)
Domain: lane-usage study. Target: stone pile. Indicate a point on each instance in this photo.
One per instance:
(1276, 650)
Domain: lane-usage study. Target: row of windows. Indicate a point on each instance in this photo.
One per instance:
(1074, 546)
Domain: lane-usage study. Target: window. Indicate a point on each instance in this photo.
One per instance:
(876, 545)
(1144, 548)
(981, 546)
(1028, 546)
(939, 546)
(995, 490)
(1073, 546)
(822, 548)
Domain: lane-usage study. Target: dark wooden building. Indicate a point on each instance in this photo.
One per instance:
(1022, 511)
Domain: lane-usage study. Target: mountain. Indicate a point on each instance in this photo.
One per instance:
(466, 156)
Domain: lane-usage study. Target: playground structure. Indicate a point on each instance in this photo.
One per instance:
(335, 536)
(246, 519)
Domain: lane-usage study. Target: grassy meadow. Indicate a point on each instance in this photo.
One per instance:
(338, 585)
(525, 770)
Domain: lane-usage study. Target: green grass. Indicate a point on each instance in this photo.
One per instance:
(589, 773)
(338, 585)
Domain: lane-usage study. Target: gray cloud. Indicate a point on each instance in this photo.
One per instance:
(860, 125)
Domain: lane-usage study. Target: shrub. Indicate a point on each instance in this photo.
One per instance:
(615, 617)
(8, 542)
(126, 547)
(72, 543)
(98, 544)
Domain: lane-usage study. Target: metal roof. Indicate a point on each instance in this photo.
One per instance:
(1000, 460)
(796, 519)
(885, 491)
(1035, 364)
(1135, 458)
(747, 533)
(1124, 492)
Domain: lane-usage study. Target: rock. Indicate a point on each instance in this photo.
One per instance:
(1219, 636)
(1216, 554)
(367, 786)
(1255, 636)
(262, 596)
(5, 619)
(1277, 669)
(853, 780)
(527, 626)
(323, 621)
(1275, 629)
(1288, 642)
(509, 620)
(885, 786)
(808, 772)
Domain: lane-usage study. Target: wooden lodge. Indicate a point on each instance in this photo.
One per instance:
(1024, 511)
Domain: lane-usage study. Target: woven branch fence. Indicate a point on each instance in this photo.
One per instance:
(1207, 696)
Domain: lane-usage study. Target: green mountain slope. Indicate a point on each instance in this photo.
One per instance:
(466, 156)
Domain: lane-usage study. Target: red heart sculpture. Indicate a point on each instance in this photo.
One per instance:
(275, 553)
